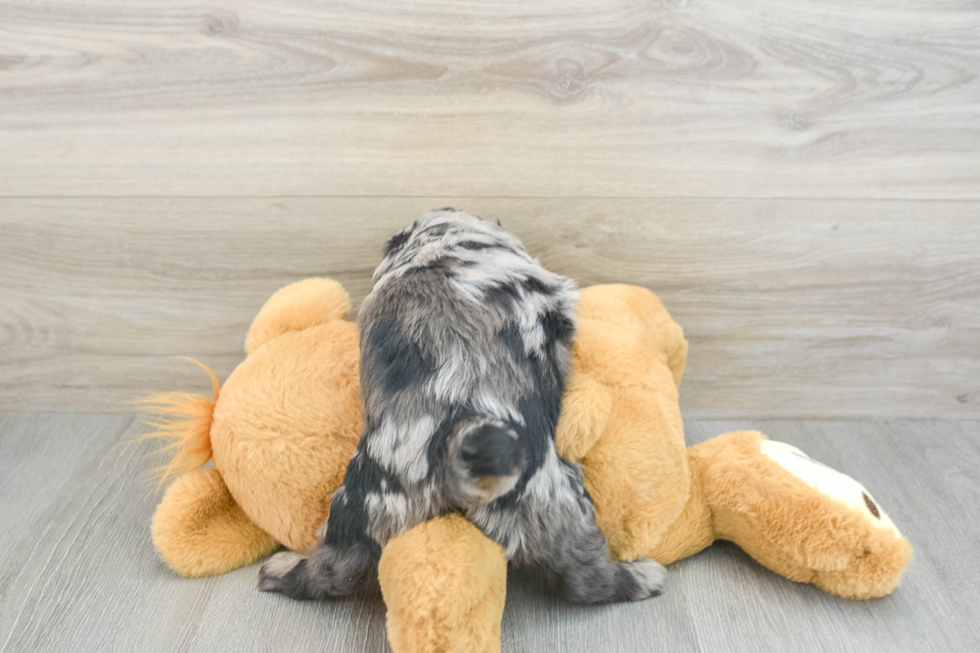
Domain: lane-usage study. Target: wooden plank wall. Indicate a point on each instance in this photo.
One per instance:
(799, 180)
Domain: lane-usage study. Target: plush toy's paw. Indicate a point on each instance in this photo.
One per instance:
(276, 573)
(798, 517)
(200, 530)
(444, 583)
(860, 553)
(650, 576)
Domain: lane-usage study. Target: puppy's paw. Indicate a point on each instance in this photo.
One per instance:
(277, 574)
(650, 577)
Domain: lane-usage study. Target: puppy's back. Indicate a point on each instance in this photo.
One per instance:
(465, 346)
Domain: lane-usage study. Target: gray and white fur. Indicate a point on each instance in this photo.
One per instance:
(465, 348)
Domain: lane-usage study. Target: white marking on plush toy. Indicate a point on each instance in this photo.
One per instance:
(828, 481)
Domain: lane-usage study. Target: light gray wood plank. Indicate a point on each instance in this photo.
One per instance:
(34, 470)
(792, 307)
(80, 574)
(715, 98)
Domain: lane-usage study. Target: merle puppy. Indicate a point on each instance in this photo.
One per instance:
(465, 346)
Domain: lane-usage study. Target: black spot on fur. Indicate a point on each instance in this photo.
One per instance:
(346, 527)
(389, 356)
(397, 241)
(438, 230)
(475, 246)
(558, 327)
(443, 265)
(535, 285)
(438, 441)
(505, 295)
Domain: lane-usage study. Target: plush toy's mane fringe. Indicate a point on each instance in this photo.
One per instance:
(184, 421)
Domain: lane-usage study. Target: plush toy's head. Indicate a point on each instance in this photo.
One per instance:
(289, 417)
(280, 434)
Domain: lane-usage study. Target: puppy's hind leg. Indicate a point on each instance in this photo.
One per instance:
(576, 550)
(337, 565)
(589, 575)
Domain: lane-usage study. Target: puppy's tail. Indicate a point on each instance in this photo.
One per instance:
(486, 459)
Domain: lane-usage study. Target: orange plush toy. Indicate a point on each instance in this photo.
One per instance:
(287, 420)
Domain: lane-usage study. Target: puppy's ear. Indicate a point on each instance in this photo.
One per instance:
(397, 241)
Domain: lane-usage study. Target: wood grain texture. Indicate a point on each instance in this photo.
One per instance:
(551, 98)
(78, 571)
(793, 308)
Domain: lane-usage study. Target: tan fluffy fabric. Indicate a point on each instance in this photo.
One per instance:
(621, 419)
(288, 419)
(444, 584)
(792, 528)
(199, 529)
(285, 427)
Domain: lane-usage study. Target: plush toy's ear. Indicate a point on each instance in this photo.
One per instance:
(298, 306)
(625, 304)
(199, 530)
(444, 584)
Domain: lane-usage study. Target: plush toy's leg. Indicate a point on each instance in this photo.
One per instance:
(199, 530)
(444, 584)
(693, 531)
(798, 517)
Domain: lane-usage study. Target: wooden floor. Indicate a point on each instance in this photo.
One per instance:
(78, 571)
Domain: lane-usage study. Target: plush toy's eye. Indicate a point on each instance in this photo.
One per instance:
(871, 505)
